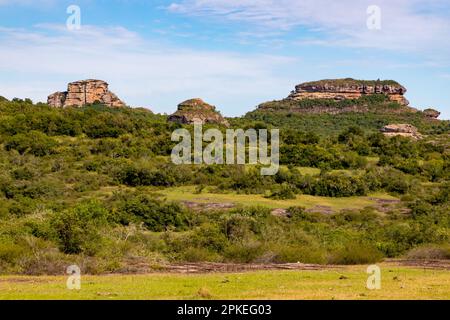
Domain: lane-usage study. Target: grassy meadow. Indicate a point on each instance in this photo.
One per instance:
(338, 283)
(336, 204)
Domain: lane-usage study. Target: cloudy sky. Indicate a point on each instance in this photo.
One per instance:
(234, 54)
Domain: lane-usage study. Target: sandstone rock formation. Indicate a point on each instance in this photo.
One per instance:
(197, 111)
(341, 89)
(404, 130)
(81, 93)
(431, 113)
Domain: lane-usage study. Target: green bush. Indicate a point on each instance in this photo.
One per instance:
(238, 227)
(355, 253)
(156, 215)
(135, 176)
(195, 254)
(10, 252)
(107, 125)
(246, 252)
(339, 185)
(299, 253)
(78, 229)
(283, 192)
(35, 142)
(208, 236)
(300, 214)
(22, 173)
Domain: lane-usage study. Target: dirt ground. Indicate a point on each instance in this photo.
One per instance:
(204, 268)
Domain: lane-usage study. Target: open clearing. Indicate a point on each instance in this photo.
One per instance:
(398, 282)
(307, 201)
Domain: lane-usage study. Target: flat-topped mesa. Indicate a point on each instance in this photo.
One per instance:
(341, 89)
(196, 111)
(81, 93)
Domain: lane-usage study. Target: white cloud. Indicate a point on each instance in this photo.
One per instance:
(142, 72)
(409, 25)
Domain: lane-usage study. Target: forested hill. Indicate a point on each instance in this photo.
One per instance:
(329, 116)
(95, 186)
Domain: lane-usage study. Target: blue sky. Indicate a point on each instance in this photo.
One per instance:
(233, 54)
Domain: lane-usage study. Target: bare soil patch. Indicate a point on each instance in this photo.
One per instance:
(198, 206)
(425, 264)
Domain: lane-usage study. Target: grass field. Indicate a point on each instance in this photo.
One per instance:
(341, 283)
(307, 201)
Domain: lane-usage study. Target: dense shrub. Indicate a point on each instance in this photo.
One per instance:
(355, 253)
(132, 175)
(35, 142)
(339, 185)
(104, 125)
(283, 192)
(156, 215)
(244, 252)
(299, 253)
(78, 229)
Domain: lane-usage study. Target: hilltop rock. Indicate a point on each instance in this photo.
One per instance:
(57, 99)
(341, 89)
(81, 93)
(431, 113)
(404, 130)
(197, 111)
(340, 96)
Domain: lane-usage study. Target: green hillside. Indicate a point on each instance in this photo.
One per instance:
(95, 186)
(372, 112)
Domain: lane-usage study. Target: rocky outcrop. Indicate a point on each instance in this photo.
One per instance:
(81, 93)
(404, 130)
(196, 111)
(57, 99)
(431, 113)
(341, 89)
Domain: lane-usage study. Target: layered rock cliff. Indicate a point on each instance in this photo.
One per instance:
(81, 93)
(341, 89)
(196, 111)
(344, 96)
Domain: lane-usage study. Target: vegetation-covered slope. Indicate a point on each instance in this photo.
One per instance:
(327, 116)
(89, 185)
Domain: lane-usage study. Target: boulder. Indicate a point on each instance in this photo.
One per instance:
(431, 113)
(196, 111)
(81, 93)
(404, 130)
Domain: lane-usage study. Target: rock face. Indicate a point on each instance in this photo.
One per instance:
(196, 111)
(57, 99)
(341, 89)
(404, 130)
(431, 113)
(81, 93)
